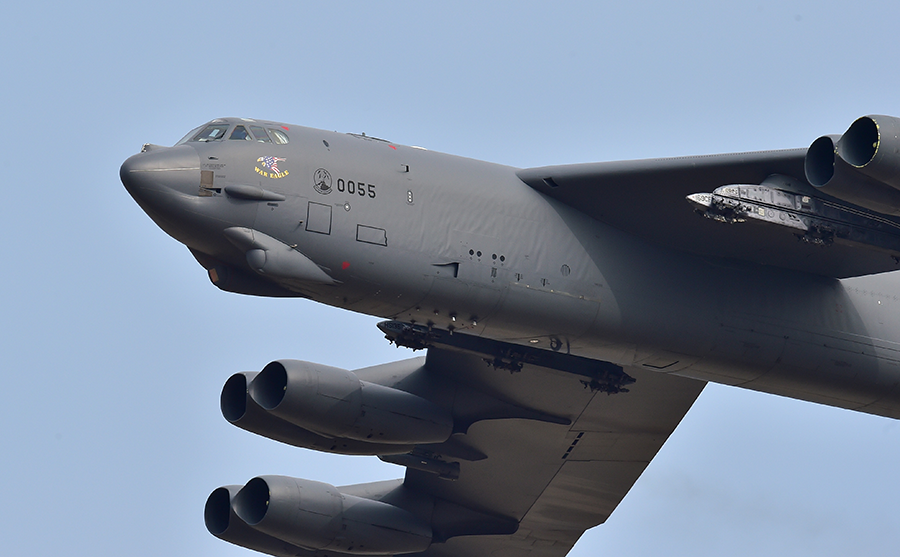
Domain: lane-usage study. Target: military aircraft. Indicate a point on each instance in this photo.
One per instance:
(570, 316)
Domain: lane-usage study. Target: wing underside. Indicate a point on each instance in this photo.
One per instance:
(557, 480)
(647, 198)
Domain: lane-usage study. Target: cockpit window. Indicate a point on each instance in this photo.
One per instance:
(260, 134)
(189, 135)
(212, 132)
(240, 132)
(279, 136)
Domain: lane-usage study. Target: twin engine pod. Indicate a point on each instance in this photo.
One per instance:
(283, 516)
(331, 409)
(862, 166)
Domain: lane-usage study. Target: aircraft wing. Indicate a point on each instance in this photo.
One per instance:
(646, 198)
(557, 480)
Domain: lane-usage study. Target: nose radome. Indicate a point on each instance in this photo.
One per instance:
(155, 171)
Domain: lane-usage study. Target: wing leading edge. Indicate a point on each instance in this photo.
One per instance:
(647, 198)
(557, 480)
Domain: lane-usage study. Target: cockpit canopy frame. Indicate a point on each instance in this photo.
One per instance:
(237, 129)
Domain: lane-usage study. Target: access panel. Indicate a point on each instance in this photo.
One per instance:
(318, 218)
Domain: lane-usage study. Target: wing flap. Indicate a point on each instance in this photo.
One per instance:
(556, 480)
(584, 493)
(646, 198)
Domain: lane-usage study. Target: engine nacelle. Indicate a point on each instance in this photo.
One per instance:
(862, 166)
(872, 145)
(315, 515)
(223, 523)
(334, 402)
(242, 411)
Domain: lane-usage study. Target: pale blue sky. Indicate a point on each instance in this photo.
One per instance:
(115, 346)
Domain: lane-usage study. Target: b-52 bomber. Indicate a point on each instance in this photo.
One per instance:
(570, 316)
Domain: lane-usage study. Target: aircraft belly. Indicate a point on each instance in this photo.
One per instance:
(467, 301)
(561, 317)
(838, 369)
(740, 351)
(825, 370)
(370, 298)
(809, 338)
(813, 347)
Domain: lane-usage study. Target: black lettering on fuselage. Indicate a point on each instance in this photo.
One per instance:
(358, 188)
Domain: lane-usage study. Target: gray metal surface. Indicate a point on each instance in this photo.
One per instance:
(536, 293)
(645, 198)
(557, 480)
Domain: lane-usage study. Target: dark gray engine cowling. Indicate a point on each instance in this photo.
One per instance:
(223, 523)
(862, 166)
(872, 145)
(335, 402)
(242, 411)
(315, 515)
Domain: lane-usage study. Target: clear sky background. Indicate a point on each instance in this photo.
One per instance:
(115, 345)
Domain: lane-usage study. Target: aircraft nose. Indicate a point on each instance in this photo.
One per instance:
(158, 171)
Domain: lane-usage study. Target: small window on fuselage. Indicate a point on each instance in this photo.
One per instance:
(279, 136)
(240, 132)
(260, 134)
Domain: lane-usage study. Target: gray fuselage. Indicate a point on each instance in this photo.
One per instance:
(465, 245)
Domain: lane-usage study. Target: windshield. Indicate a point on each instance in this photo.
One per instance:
(189, 135)
(260, 133)
(240, 132)
(211, 132)
(218, 130)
